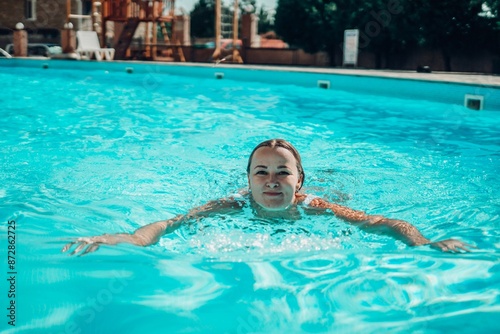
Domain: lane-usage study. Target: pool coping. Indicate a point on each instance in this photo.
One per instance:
(476, 79)
(464, 78)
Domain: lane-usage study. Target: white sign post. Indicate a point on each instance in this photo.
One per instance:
(351, 38)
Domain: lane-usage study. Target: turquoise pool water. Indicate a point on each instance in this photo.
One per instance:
(97, 151)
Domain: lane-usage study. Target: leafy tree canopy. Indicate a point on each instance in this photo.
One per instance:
(203, 19)
(390, 26)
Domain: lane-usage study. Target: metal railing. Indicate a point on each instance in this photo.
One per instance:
(5, 53)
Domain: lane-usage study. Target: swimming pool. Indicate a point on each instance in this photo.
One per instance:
(98, 151)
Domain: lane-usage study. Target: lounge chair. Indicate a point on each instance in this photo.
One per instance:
(88, 46)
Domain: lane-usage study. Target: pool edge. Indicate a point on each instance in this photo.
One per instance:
(443, 87)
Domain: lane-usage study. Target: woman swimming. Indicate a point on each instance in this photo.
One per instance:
(275, 177)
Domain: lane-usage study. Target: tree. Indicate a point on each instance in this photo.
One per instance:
(265, 23)
(203, 19)
(492, 10)
(390, 26)
(248, 6)
(454, 26)
(265, 20)
(310, 24)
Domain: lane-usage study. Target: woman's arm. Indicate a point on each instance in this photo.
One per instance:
(143, 236)
(398, 229)
(150, 234)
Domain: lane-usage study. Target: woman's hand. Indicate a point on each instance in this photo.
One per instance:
(451, 245)
(91, 244)
(143, 236)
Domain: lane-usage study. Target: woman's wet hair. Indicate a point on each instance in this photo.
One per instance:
(272, 143)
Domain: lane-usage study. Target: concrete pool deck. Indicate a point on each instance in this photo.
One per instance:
(466, 78)
(446, 77)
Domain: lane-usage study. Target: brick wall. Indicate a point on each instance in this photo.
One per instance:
(50, 19)
(49, 14)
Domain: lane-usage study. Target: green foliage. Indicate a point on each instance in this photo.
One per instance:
(245, 5)
(203, 19)
(265, 23)
(453, 25)
(494, 9)
(390, 26)
(314, 25)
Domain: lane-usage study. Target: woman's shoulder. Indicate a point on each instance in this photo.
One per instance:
(312, 201)
(307, 199)
(240, 195)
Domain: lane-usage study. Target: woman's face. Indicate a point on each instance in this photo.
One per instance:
(274, 178)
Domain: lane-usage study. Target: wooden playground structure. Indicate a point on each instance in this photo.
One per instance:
(235, 57)
(127, 15)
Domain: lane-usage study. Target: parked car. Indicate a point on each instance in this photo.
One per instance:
(38, 49)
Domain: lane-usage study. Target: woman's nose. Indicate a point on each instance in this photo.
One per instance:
(272, 182)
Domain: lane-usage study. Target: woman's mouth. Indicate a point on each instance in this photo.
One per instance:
(272, 194)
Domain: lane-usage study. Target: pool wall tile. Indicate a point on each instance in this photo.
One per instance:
(437, 91)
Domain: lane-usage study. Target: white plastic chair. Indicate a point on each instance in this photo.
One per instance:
(88, 46)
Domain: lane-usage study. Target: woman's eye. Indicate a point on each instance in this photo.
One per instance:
(284, 173)
(261, 172)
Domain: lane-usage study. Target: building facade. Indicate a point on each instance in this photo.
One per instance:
(43, 19)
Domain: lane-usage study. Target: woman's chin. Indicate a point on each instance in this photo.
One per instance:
(274, 208)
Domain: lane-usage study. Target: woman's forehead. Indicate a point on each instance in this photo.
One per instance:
(276, 154)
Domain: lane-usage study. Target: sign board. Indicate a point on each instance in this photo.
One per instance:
(351, 38)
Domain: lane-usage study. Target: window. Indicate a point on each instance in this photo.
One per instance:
(87, 7)
(30, 9)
